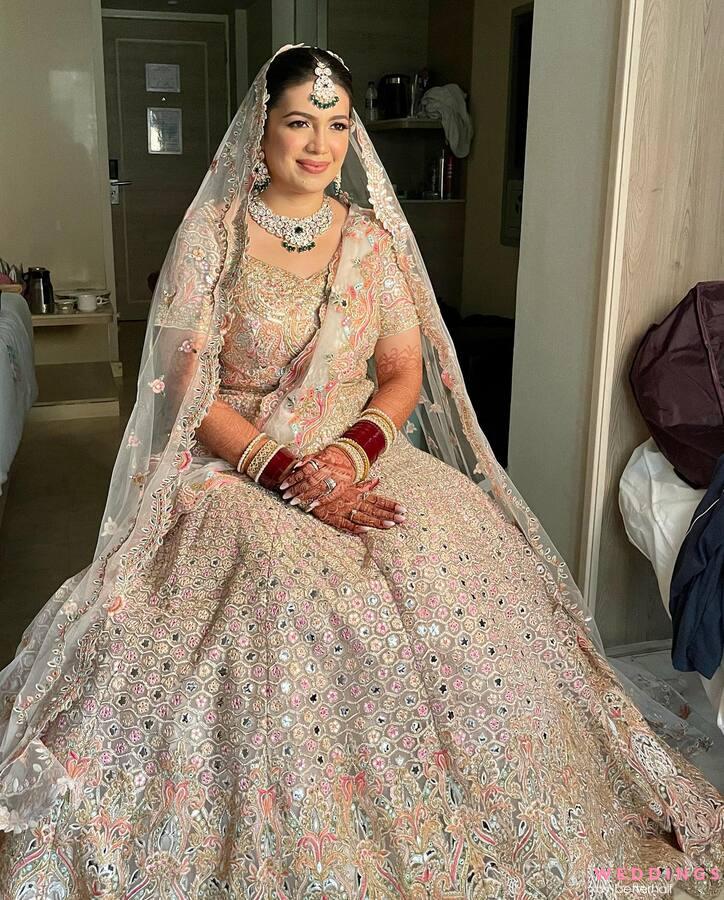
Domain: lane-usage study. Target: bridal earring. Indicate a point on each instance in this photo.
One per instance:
(262, 178)
(337, 184)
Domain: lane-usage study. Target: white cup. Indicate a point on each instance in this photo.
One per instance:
(89, 302)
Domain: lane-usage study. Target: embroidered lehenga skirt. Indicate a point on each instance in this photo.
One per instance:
(282, 710)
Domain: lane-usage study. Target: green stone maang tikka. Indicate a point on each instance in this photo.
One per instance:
(323, 95)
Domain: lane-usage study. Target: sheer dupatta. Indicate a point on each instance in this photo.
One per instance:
(190, 314)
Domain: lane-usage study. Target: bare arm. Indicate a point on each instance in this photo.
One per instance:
(226, 432)
(398, 360)
(223, 430)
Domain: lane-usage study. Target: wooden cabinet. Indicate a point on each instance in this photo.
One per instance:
(72, 382)
(408, 148)
(378, 37)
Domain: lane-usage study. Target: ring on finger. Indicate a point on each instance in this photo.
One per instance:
(352, 514)
(314, 464)
(331, 485)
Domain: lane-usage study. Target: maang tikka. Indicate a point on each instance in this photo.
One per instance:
(323, 94)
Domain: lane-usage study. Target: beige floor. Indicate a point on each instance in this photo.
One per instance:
(55, 499)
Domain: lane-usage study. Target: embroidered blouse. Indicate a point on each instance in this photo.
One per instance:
(278, 312)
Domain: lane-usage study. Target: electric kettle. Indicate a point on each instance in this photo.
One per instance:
(393, 96)
(39, 290)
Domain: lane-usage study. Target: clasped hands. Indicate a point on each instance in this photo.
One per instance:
(347, 506)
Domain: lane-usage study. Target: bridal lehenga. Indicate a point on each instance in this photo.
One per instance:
(256, 705)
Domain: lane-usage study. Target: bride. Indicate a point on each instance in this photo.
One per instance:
(308, 658)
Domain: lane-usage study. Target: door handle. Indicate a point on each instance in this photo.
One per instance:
(115, 193)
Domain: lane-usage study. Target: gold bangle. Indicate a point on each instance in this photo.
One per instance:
(348, 442)
(244, 458)
(354, 456)
(376, 411)
(260, 460)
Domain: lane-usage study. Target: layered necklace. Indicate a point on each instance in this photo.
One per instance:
(296, 234)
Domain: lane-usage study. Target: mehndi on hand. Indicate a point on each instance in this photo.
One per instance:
(318, 476)
(356, 509)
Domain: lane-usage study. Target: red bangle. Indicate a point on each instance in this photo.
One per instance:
(274, 471)
(369, 436)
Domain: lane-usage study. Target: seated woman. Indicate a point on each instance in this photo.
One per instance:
(310, 659)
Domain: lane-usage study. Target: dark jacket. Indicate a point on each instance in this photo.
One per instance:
(696, 598)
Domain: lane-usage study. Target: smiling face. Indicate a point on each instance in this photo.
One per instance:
(304, 146)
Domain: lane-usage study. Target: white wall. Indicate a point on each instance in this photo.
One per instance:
(573, 69)
(53, 158)
(49, 150)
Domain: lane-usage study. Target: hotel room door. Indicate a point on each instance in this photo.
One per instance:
(167, 106)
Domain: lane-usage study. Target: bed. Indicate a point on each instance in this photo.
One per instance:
(18, 386)
(657, 508)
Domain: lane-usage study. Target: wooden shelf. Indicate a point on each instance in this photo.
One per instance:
(75, 390)
(101, 317)
(75, 383)
(409, 122)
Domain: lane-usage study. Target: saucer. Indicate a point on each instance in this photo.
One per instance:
(73, 293)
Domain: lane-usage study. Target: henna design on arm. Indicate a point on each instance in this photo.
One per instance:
(398, 361)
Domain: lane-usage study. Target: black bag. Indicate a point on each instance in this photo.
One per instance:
(677, 378)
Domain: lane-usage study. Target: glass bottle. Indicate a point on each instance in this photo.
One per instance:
(371, 108)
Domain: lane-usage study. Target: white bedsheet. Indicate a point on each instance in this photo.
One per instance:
(18, 385)
(657, 508)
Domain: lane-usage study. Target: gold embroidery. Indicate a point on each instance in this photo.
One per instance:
(280, 312)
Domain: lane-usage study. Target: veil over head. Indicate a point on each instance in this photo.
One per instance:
(178, 380)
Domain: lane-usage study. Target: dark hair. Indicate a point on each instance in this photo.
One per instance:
(296, 66)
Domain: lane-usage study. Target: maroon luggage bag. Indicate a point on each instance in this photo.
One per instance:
(677, 378)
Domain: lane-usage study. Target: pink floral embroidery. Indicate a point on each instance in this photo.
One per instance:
(139, 478)
(267, 800)
(187, 346)
(157, 385)
(185, 460)
(447, 379)
(116, 603)
(442, 759)
(133, 441)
